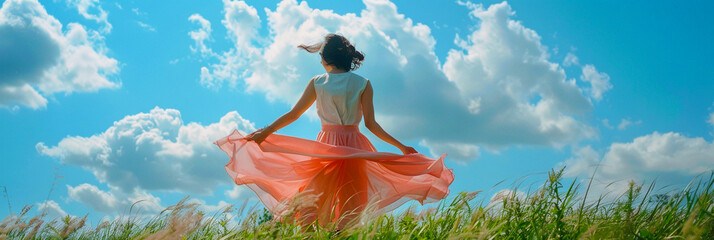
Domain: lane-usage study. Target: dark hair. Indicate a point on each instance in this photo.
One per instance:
(336, 50)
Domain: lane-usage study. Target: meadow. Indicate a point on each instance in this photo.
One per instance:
(555, 209)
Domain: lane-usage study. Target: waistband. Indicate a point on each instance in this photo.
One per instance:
(338, 127)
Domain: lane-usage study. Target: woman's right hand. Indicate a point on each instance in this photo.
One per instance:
(258, 136)
(407, 150)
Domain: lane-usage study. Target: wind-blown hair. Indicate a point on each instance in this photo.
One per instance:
(336, 50)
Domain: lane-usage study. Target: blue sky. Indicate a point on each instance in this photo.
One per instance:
(113, 93)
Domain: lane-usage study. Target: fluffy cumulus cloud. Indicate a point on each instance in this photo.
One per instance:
(41, 57)
(152, 151)
(522, 97)
(51, 209)
(242, 22)
(114, 201)
(499, 88)
(91, 196)
(672, 158)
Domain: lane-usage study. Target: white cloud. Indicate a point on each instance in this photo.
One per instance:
(201, 35)
(456, 151)
(51, 209)
(570, 60)
(210, 209)
(41, 58)
(711, 119)
(504, 65)
(84, 7)
(584, 159)
(599, 82)
(137, 11)
(148, 151)
(145, 26)
(239, 193)
(241, 21)
(475, 105)
(216, 210)
(499, 89)
(606, 123)
(145, 202)
(153, 151)
(114, 201)
(672, 158)
(91, 196)
(625, 123)
(25, 95)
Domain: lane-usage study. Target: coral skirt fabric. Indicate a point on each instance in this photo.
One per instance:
(342, 173)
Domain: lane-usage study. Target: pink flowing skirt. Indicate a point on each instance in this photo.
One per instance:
(339, 177)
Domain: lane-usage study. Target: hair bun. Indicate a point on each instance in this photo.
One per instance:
(336, 50)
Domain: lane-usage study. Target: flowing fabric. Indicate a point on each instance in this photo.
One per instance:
(342, 171)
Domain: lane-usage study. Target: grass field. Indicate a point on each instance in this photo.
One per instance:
(555, 210)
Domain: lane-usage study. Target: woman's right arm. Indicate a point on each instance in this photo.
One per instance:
(308, 97)
(373, 126)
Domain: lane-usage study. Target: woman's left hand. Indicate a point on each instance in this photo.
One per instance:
(258, 136)
(408, 150)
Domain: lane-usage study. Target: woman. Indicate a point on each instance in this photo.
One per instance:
(340, 175)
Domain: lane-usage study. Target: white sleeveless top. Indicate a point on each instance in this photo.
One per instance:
(338, 97)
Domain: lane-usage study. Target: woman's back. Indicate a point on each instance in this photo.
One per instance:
(338, 97)
(341, 173)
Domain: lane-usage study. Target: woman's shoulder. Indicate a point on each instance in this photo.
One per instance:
(362, 80)
(323, 75)
(319, 78)
(346, 75)
(358, 76)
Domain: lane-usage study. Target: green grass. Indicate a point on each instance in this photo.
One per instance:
(555, 210)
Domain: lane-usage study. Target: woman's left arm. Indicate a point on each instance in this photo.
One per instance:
(308, 97)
